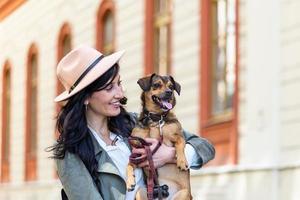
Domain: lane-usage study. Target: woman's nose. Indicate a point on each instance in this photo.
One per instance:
(119, 92)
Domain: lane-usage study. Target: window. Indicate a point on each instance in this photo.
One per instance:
(6, 118)
(158, 36)
(64, 46)
(219, 44)
(106, 27)
(31, 115)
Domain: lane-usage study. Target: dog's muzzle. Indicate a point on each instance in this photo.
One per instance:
(164, 102)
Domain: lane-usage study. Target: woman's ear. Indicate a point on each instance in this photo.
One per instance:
(86, 102)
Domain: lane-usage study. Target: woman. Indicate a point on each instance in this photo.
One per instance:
(92, 150)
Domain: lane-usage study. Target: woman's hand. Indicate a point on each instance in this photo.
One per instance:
(163, 155)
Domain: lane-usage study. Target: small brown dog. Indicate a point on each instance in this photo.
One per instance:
(157, 121)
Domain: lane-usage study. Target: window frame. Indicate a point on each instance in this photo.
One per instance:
(149, 50)
(65, 31)
(105, 7)
(30, 160)
(9, 6)
(5, 163)
(221, 131)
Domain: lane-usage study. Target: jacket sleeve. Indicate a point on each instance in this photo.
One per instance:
(204, 149)
(76, 180)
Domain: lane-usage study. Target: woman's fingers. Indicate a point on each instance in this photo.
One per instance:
(144, 164)
(139, 151)
(165, 154)
(153, 142)
(140, 155)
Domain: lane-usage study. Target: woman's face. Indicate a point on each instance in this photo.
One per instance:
(106, 102)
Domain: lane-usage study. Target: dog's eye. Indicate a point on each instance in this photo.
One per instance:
(156, 85)
(171, 87)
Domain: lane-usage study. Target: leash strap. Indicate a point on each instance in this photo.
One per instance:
(152, 178)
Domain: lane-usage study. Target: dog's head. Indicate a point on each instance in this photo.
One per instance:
(158, 92)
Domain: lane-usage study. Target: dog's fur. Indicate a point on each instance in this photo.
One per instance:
(157, 90)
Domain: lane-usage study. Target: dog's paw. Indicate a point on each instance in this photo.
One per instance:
(130, 184)
(130, 187)
(182, 164)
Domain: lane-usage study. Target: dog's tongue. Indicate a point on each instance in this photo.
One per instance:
(167, 105)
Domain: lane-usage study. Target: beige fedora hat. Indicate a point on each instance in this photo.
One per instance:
(80, 67)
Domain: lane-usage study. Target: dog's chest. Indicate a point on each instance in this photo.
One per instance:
(164, 130)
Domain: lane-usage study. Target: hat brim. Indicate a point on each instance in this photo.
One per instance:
(104, 65)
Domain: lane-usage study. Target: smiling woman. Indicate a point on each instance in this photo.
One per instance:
(92, 151)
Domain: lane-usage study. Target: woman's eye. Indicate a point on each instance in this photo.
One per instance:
(108, 87)
(119, 83)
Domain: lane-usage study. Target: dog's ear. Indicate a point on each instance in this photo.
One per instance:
(145, 83)
(176, 85)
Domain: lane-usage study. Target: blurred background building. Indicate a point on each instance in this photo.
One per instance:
(237, 61)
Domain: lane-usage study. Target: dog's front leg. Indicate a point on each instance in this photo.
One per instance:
(179, 148)
(141, 194)
(173, 133)
(130, 183)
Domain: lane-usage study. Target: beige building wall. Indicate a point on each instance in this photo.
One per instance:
(290, 81)
(185, 61)
(269, 73)
(130, 36)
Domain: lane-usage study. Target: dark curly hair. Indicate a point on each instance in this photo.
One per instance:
(74, 135)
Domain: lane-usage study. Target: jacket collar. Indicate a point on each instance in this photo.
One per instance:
(105, 163)
(97, 148)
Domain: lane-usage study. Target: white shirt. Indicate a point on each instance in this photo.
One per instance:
(119, 153)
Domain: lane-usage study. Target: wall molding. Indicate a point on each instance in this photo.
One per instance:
(8, 6)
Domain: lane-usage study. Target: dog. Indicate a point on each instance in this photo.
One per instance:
(157, 121)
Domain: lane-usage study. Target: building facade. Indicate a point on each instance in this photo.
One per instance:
(236, 61)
